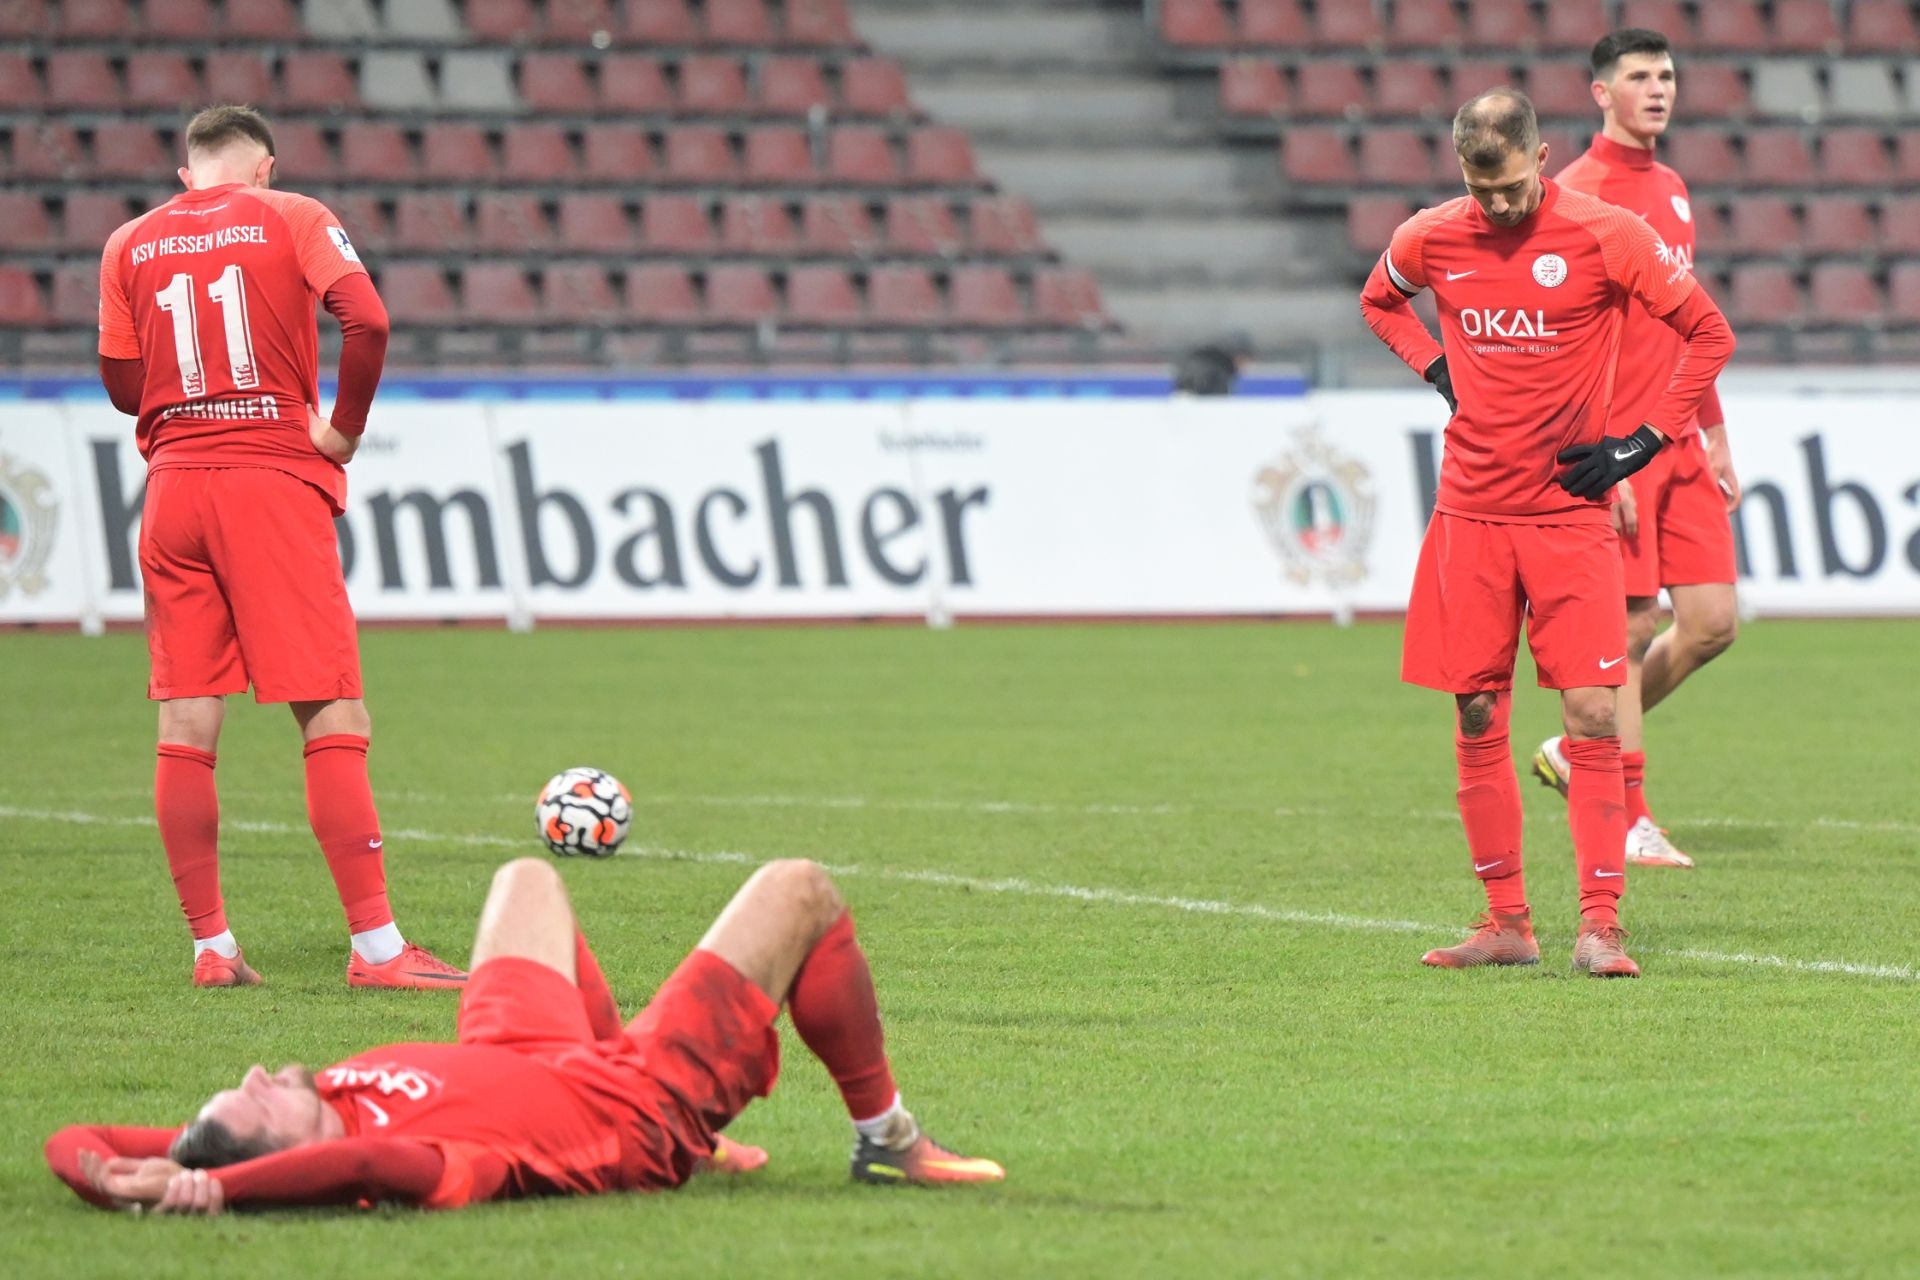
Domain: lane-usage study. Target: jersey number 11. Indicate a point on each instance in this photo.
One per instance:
(230, 292)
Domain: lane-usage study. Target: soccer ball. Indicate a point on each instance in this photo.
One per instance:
(584, 811)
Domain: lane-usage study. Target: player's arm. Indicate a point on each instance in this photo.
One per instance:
(1713, 430)
(64, 1152)
(343, 1171)
(333, 271)
(1386, 303)
(120, 369)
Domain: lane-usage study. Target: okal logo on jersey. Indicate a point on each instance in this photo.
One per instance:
(1503, 322)
(405, 1081)
(1316, 507)
(1550, 271)
(27, 509)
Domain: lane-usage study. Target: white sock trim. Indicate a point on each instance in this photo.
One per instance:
(377, 946)
(885, 1125)
(221, 942)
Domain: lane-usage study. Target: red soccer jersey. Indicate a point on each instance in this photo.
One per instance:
(214, 293)
(1532, 318)
(1631, 178)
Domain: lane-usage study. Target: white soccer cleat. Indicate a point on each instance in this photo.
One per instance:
(1648, 846)
(1551, 766)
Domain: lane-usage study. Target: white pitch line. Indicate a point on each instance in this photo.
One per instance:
(1021, 888)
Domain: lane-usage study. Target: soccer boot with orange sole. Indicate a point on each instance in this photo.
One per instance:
(1498, 938)
(415, 969)
(1648, 846)
(1601, 951)
(918, 1161)
(211, 969)
(1551, 766)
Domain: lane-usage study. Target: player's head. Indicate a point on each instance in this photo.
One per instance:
(1497, 138)
(1633, 82)
(267, 1113)
(226, 145)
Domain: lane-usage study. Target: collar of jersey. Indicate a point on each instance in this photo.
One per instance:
(209, 193)
(1614, 153)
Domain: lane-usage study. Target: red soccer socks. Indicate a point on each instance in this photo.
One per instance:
(1597, 814)
(187, 807)
(1633, 774)
(1489, 798)
(340, 809)
(834, 1009)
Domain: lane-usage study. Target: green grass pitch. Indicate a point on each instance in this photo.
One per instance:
(1145, 906)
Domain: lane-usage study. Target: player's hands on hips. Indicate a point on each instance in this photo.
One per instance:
(329, 441)
(130, 1182)
(1720, 462)
(1592, 469)
(1626, 510)
(1442, 382)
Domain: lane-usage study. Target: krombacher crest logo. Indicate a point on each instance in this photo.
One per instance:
(26, 528)
(1316, 506)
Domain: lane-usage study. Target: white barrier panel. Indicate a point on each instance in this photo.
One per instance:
(609, 510)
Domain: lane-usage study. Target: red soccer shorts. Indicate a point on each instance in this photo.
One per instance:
(1685, 537)
(243, 585)
(702, 1049)
(1477, 581)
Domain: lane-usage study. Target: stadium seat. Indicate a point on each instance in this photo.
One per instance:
(87, 219)
(1563, 147)
(501, 21)
(557, 82)
(1851, 157)
(1560, 89)
(1731, 26)
(1764, 226)
(1713, 91)
(1906, 162)
(1836, 225)
(1900, 225)
(260, 20)
(633, 84)
(1196, 24)
(1346, 26)
(1424, 24)
(81, 80)
(76, 292)
(536, 153)
(874, 87)
(1775, 157)
(1765, 293)
(1571, 24)
(432, 21)
(162, 81)
(1406, 87)
(1068, 296)
(1881, 26)
(1712, 234)
(300, 152)
(778, 154)
(577, 291)
(24, 215)
(941, 154)
(595, 222)
(376, 151)
(789, 85)
(510, 222)
(477, 80)
(756, 225)
(1327, 88)
(315, 81)
(1665, 16)
(1372, 220)
(49, 150)
(817, 24)
(21, 303)
(674, 224)
(498, 293)
(699, 153)
(661, 293)
(360, 213)
(240, 75)
(615, 153)
(984, 296)
(456, 153)
(922, 226)
(737, 22)
(1502, 24)
(20, 87)
(1843, 293)
(95, 18)
(1865, 88)
(126, 150)
(903, 295)
(1786, 88)
(430, 222)
(1705, 156)
(1802, 26)
(578, 23)
(1315, 154)
(712, 85)
(396, 80)
(837, 226)
(339, 19)
(1003, 227)
(1253, 88)
(740, 294)
(658, 22)
(861, 155)
(1279, 24)
(1468, 76)
(21, 19)
(1903, 293)
(1394, 157)
(822, 295)
(417, 293)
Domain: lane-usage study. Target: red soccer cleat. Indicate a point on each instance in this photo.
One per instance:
(732, 1158)
(1499, 939)
(924, 1163)
(1601, 952)
(415, 968)
(211, 969)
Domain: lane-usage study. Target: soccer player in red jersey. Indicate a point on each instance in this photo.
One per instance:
(544, 1092)
(1534, 283)
(1675, 532)
(207, 336)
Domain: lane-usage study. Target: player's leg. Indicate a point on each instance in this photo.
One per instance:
(1643, 620)
(1706, 621)
(195, 662)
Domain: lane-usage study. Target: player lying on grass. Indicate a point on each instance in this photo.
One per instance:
(544, 1092)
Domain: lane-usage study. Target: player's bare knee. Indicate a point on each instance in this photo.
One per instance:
(1642, 623)
(1476, 714)
(1714, 634)
(525, 877)
(1590, 717)
(805, 888)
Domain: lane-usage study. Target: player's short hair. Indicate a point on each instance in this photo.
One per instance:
(217, 127)
(208, 1144)
(1493, 125)
(1615, 45)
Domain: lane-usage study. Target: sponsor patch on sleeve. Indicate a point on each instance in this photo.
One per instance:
(339, 237)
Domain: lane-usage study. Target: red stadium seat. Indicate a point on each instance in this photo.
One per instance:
(633, 84)
(1315, 154)
(1903, 293)
(1194, 24)
(1732, 26)
(712, 84)
(778, 154)
(1406, 87)
(260, 20)
(874, 87)
(456, 153)
(498, 293)
(1881, 26)
(740, 294)
(838, 226)
(1900, 225)
(661, 293)
(1776, 157)
(752, 225)
(22, 19)
(1906, 157)
(922, 226)
(1468, 76)
(76, 292)
(577, 291)
(1563, 147)
(790, 86)
(417, 293)
(1765, 293)
(365, 221)
(861, 155)
(162, 81)
(557, 82)
(1712, 234)
(615, 153)
(179, 19)
(51, 150)
(1347, 26)
(1836, 224)
(822, 295)
(1277, 24)
(1764, 226)
(594, 222)
(1664, 16)
(510, 222)
(1068, 296)
(125, 150)
(1372, 220)
(1844, 293)
(28, 227)
(316, 81)
(1704, 156)
(817, 24)
(941, 154)
(1502, 24)
(89, 218)
(95, 18)
(21, 303)
(1252, 88)
(536, 153)
(1328, 88)
(985, 297)
(659, 22)
(82, 79)
(429, 222)
(901, 295)
(699, 153)
(501, 21)
(1003, 227)
(1713, 91)
(1854, 158)
(675, 225)
(1803, 26)
(19, 86)
(1560, 89)
(376, 151)
(1425, 24)
(1574, 25)
(578, 22)
(300, 152)
(238, 75)
(737, 22)
(1394, 157)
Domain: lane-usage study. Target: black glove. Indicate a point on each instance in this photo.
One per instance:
(1442, 382)
(1595, 468)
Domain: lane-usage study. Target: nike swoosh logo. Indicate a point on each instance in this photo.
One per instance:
(436, 977)
(1460, 275)
(373, 844)
(380, 1118)
(1606, 665)
(1487, 866)
(1622, 455)
(1608, 875)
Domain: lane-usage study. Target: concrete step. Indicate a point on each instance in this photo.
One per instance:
(1174, 250)
(1053, 108)
(929, 37)
(1276, 319)
(1123, 179)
